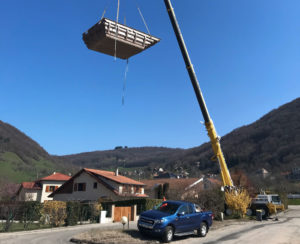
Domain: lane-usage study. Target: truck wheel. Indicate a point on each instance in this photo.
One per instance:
(265, 212)
(142, 232)
(202, 231)
(168, 234)
(228, 211)
(249, 212)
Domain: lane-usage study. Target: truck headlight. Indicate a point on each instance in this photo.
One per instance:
(159, 221)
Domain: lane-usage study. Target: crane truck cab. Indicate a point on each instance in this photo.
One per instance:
(268, 203)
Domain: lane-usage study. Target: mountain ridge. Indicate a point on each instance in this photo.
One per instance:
(271, 142)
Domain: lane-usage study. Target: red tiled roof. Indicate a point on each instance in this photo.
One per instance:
(173, 183)
(117, 178)
(214, 181)
(57, 177)
(142, 195)
(31, 185)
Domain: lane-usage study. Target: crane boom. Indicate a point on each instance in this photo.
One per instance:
(227, 181)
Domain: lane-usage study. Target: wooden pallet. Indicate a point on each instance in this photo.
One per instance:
(102, 37)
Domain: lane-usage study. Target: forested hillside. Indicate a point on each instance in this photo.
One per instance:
(272, 142)
(21, 158)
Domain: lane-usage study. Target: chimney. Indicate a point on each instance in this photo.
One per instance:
(117, 172)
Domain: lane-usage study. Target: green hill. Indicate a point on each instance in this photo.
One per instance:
(272, 142)
(21, 158)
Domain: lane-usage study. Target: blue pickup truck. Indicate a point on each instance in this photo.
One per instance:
(175, 218)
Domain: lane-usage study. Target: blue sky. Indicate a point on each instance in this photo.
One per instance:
(69, 99)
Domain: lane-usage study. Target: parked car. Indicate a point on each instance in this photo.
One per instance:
(175, 218)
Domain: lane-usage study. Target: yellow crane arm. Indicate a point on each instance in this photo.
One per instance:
(208, 122)
(215, 142)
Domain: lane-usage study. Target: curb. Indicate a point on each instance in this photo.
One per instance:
(55, 229)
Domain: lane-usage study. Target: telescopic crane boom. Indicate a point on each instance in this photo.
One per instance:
(215, 141)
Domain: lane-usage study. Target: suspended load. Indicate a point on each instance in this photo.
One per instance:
(112, 38)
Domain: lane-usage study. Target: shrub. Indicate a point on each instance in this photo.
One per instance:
(9, 212)
(55, 212)
(29, 212)
(82, 212)
(238, 200)
(72, 210)
(210, 199)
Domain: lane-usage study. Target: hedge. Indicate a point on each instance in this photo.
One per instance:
(73, 209)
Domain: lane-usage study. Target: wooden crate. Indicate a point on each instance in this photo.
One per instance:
(103, 35)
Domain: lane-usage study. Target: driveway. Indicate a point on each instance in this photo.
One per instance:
(284, 231)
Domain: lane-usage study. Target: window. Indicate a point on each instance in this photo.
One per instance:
(95, 185)
(81, 186)
(75, 186)
(51, 188)
(183, 210)
(198, 208)
(167, 207)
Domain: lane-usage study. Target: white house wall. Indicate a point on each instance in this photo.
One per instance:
(90, 194)
(45, 194)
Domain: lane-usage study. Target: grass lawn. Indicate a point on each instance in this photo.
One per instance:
(20, 227)
(293, 201)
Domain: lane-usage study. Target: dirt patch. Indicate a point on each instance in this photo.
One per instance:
(132, 236)
(112, 237)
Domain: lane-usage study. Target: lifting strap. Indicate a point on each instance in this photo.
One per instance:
(117, 20)
(142, 17)
(104, 11)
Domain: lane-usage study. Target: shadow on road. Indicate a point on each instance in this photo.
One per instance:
(137, 235)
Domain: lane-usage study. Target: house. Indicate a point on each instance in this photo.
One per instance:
(295, 174)
(182, 188)
(164, 175)
(262, 173)
(93, 184)
(40, 190)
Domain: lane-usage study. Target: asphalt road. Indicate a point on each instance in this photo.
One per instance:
(52, 236)
(284, 231)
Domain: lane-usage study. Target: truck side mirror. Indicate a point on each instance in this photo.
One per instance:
(180, 214)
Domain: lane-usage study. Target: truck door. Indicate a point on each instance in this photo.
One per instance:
(183, 219)
(195, 217)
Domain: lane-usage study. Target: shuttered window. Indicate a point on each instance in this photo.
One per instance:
(75, 187)
(95, 185)
(51, 188)
(81, 187)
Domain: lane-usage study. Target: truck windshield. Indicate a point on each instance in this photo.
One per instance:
(167, 207)
(275, 198)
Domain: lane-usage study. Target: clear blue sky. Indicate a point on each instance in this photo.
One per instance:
(246, 55)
